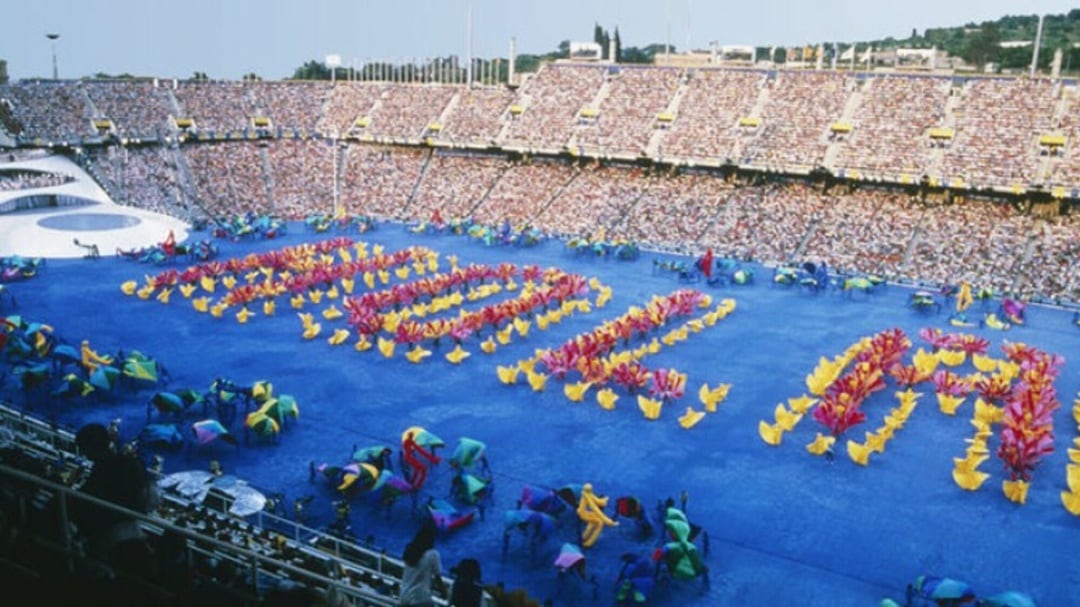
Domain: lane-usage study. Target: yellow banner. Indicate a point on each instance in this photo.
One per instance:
(1052, 140)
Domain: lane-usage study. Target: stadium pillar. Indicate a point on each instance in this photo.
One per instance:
(337, 194)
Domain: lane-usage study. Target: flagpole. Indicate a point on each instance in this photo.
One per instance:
(667, 47)
(468, 46)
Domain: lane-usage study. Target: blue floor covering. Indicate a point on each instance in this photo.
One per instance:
(785, 527)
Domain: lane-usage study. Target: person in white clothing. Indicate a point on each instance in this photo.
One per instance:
(423, 570)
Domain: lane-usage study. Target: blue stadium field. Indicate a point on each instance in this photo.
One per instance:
(784, 527)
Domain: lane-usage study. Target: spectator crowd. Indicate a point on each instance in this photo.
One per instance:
(397, 151)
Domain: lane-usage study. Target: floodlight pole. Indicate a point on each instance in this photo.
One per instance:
(667, 45)
(1038, 43)
(53, 38)
(468, 47)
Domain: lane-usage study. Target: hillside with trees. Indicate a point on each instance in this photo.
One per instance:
(981, 43)
(1007, 42)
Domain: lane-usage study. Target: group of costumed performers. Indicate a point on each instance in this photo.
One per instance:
(924, 301)
(369, 473)
(162, 252)
(715, 272)
(937, 591)
(599, 245)
(504, 233)
(535, 516)
(418, 454)
(472, 480)
(470, 485)
(1011, 312)
(17, 267)
(809, 275)
(816, 276)
(250, 225)
(434, 224)
(343, 222)
(677, 557)
(540, 509)
(50, 370)
(724, 271)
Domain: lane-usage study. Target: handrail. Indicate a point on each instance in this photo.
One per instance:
(54, 442)
(259, 563)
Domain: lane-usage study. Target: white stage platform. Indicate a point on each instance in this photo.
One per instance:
(50, 232)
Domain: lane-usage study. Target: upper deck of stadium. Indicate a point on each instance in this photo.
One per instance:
(1010, 135)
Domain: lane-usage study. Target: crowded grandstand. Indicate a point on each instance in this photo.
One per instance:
(769, 165)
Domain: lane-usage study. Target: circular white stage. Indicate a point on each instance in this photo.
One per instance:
(52, 231)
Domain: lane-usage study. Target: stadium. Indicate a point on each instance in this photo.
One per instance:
(718, 290)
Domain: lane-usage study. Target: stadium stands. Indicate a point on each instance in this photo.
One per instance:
(566, 151)
(890, 127)
(996, 130)
(453, 184)
(404, 112)
(229, 178)
(705, 124)
(476, 119)
(674, 211)
(54, 111)
(135, 109)
(290, 105)
(596, 197)
(379, 180)
(627, 116)
(523, 190)
(551, 103)
(215, 107)
(795, 119)
(302, 174)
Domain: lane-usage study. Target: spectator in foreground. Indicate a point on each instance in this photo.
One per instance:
(423, 570)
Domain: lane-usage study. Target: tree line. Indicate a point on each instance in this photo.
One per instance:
(976, 43)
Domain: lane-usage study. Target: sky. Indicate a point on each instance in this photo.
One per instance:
(229, 38)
